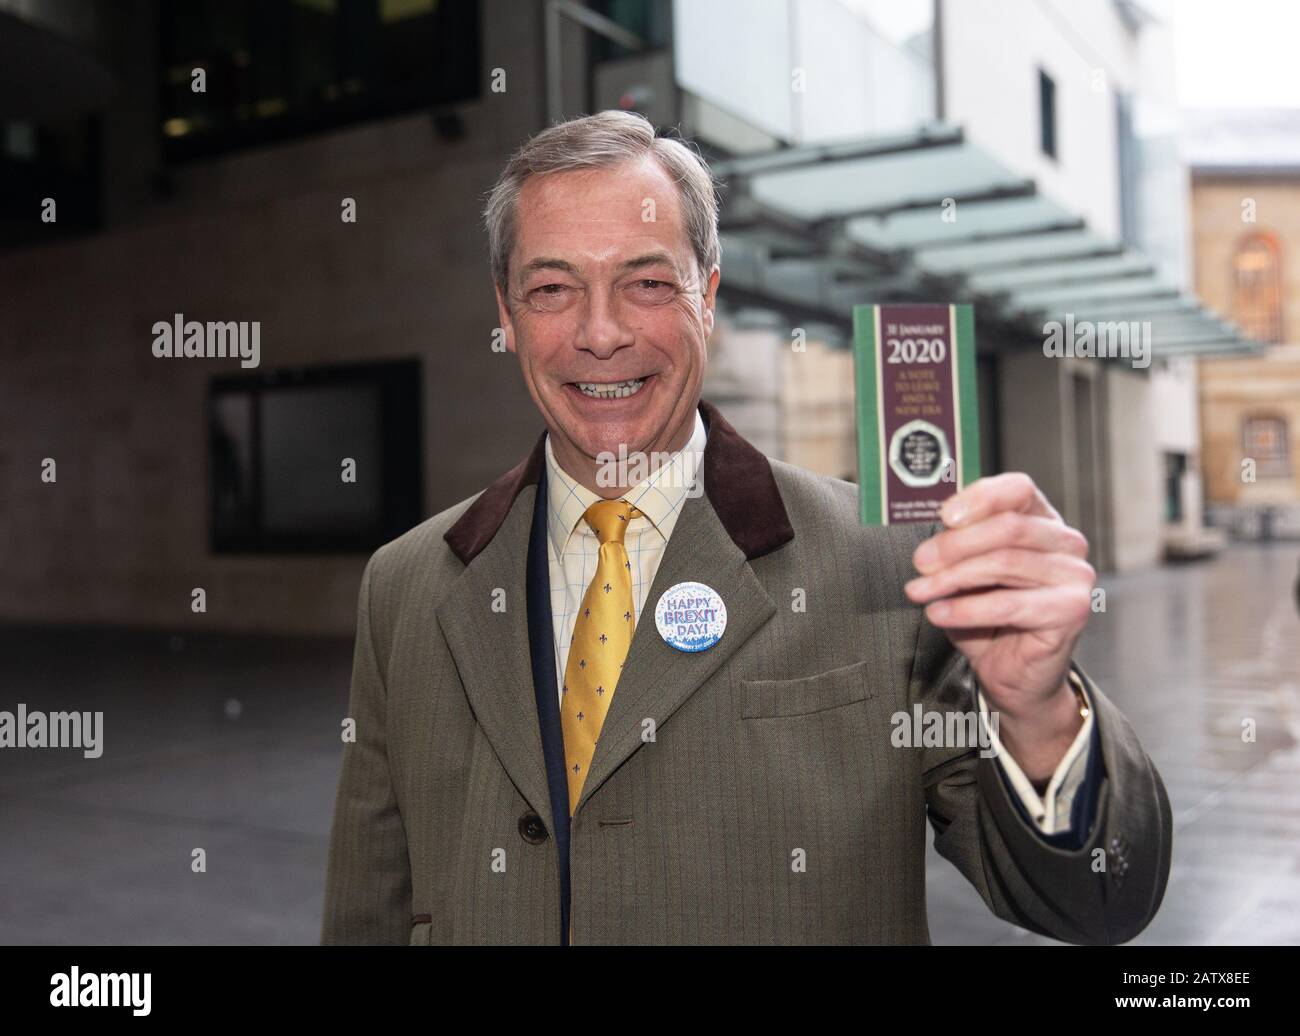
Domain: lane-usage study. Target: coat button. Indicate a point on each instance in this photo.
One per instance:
(531, 829)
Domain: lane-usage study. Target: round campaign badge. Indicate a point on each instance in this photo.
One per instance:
(691, 616)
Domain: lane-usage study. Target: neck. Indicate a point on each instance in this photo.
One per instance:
(584, 470)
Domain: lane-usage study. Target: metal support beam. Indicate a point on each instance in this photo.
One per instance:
(556, 12)
(956, 240)
(796, 158)
(1007, 192)
(1007, 265)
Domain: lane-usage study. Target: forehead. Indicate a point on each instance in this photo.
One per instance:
(599, 212)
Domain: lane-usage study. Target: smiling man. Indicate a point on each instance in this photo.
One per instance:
(593, 710)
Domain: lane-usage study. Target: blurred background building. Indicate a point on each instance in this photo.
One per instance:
(1055, 165)
(1040, 183)
(1246, 222)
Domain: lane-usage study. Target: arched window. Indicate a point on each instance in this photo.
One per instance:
(1257, 288)
(1264, 438)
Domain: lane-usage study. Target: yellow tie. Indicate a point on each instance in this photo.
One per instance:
(601, 637)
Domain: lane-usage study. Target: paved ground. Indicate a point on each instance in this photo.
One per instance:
(228, 744)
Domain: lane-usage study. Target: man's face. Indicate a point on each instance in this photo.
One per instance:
(607, 311)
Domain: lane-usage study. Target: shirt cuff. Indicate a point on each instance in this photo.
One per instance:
(1050, 812)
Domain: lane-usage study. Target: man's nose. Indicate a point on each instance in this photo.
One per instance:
(602, 330)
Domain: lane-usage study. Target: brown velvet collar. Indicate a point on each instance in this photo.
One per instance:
(738, 481)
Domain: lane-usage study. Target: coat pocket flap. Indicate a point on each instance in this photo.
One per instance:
(760, 699)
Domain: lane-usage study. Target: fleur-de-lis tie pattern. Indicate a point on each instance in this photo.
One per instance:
(601, 637)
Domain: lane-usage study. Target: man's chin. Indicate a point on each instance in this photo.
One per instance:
(601, 426)
(613, 443)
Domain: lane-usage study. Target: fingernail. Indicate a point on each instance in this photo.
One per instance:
(952, 512)
(938, 611)
(927, 554)
(917, 587)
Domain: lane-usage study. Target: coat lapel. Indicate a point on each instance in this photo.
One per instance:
(491, 648)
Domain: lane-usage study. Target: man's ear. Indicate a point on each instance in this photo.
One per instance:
(711, 301)
(503, 314)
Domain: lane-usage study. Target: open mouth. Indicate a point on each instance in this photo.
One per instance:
(610, 389)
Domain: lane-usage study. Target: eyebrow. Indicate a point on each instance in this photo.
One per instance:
(564, 266)
(649, 259)
(545, 263)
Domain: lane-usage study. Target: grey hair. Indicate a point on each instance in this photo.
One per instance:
(605, 139)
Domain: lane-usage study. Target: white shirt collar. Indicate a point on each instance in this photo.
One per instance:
(659, 497)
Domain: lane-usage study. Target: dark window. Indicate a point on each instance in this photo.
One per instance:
(1130, 173)
(278, 445)
(1257, 288)
(986, 390)
(282, 68)
(1264, 440)
(1175, 469)
(649, 19)
(1047, 114)
(56, 159)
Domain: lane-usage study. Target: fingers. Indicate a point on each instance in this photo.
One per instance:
(1007, 529)
(1042, 608)
(1009, 567)
(1014, 491)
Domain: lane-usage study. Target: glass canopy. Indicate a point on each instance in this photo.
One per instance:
(810, 232)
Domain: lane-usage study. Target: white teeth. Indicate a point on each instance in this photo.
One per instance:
(613, 390)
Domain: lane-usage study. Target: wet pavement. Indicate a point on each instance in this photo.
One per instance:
(230, 745)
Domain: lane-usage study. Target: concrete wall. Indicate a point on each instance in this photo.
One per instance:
(1085, 431)
(992, 52)
(795, 405)
(853, 80)
(1031, 422)
(122, 537)
(1134, 471)
(819, 419)
(742, 378)
(1175, 398)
